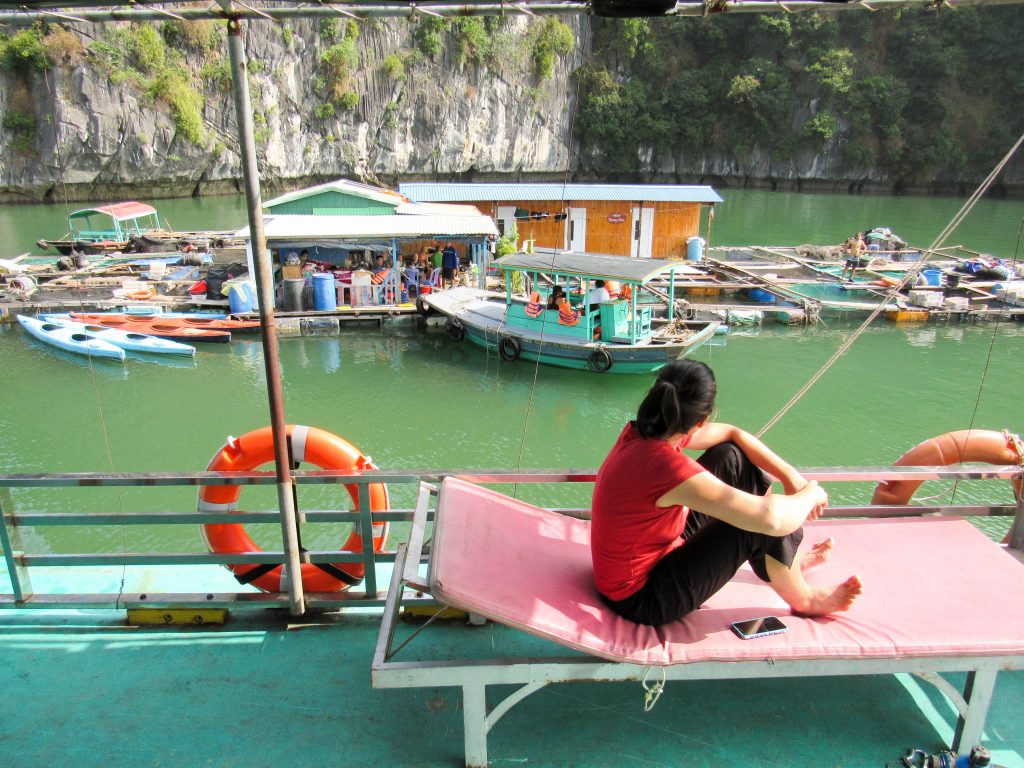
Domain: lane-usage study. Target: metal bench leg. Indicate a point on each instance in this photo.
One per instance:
(978, 692)
(474, 720)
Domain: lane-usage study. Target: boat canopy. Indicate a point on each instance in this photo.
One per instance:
(116, 211)
(596, 266)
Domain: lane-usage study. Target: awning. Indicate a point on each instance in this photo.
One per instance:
(591, 265)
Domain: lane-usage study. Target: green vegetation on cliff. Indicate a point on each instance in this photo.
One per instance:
(912, 93)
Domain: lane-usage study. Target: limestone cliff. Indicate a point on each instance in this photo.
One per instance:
(118, 110)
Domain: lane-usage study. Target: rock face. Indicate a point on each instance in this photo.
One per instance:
(104, 132)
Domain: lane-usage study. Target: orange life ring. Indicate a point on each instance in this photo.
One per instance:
(256, 448)
(982, 445)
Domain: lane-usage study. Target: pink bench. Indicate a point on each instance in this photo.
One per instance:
(530, 568)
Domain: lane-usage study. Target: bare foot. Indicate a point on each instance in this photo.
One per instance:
(824, 600)
(818, 554)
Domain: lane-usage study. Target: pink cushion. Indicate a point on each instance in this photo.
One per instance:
(932, 586)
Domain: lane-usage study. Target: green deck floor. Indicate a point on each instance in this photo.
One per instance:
(82, 689)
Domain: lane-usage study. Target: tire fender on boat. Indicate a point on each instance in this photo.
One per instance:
(310, 444)
(600, 360)
(455, 329)
(509, 348)
(981, 445)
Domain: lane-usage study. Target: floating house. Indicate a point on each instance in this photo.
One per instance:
(345, 221)
(646, 220)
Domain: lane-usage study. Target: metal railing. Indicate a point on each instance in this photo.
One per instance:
(20, 563)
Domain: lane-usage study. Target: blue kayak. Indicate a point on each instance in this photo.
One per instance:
(70, 339)
(133, 342)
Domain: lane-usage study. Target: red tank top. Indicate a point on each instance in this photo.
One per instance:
(629, 532)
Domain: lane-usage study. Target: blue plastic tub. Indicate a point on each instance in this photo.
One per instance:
(933, 276)
(325, 292)
(695, 249)
(240, 298)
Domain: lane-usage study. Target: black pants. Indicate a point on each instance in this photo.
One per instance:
(712, 552)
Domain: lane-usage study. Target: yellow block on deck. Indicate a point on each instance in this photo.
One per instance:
(163, 617)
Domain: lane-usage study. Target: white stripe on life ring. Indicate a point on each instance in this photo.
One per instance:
(299, 436)
(209, 506)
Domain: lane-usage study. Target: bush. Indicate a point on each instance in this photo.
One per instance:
(393, 67)
(474, 41)
(348, 100)
(217, 73)
(339, 60)
(328, 28)
(24, 50)
(429, 35)
(199, 35)
(822, 126)
(63, 47)
(171, 87)
(21, 124)
(325, 111)
(554, 38)
(149, 49)
(287, 35)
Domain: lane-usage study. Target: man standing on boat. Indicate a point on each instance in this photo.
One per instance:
(855, 247)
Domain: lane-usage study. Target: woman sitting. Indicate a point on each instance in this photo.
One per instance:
(556, 295)
(656, 558)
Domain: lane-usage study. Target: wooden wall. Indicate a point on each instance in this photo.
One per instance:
(673, 224)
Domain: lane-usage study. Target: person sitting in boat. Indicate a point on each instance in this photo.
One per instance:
(597, 295)
(656, 558)
(555, 297)
(855, 248)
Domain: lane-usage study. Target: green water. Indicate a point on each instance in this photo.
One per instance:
(410, 397)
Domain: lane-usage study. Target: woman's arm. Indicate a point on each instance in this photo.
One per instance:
(763, 457)
(774, 514)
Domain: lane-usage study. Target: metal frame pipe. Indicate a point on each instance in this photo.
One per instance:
(264, 294)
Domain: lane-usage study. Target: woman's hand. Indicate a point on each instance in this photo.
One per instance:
(817, 497)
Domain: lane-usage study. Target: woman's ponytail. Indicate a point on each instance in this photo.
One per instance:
(682, 396)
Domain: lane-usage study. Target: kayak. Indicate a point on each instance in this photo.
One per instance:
(163, 329)
(184, 321)
(70, 340)
(128, 340)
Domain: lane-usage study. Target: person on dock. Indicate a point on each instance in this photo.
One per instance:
(855, 248)
(656, 557)
(449, 264)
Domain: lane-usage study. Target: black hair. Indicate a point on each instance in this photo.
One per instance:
(683, 395)
(599, 283)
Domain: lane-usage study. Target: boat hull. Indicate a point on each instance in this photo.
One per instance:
(180, 321)
(482, 316)
(164, 330)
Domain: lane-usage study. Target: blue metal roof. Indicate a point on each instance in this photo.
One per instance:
(443, 192)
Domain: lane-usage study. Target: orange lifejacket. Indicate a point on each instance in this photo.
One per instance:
(566, 314)
(534, 308)
(626, 292)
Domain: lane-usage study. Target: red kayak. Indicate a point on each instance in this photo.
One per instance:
(165, 329)
(215, 324)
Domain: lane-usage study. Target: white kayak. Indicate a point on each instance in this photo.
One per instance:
(69, 339)
(133, 342)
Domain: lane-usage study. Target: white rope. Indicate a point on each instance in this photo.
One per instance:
(652, 693)
(912, 272)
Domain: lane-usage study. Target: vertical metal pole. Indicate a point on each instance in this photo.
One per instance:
(21, 587)
(264, 293)
(1017, 528)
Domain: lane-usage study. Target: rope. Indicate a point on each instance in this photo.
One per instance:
(911, 273)
(565, 183)
(652, 693)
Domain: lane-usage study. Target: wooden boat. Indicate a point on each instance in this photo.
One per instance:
(180, 321)
(165, 329)
(70, 340)
(106, 228)
(620, 335)
(128, 340)
(130, 227)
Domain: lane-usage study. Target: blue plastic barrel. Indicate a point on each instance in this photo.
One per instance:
(933, 276)
(325, 292)
(763, 296)
(695, 248)
(240, 298)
